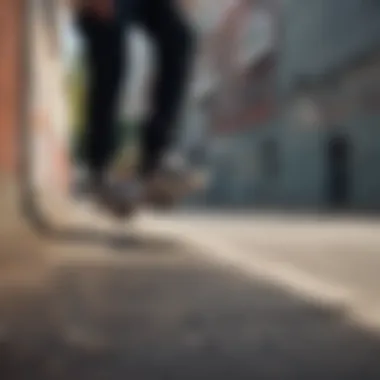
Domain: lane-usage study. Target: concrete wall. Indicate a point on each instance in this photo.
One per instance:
(48, 106)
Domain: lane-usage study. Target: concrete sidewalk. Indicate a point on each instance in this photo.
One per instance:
(155, 307)
(332, 260)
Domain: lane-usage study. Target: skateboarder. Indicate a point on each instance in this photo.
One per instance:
(103, 25)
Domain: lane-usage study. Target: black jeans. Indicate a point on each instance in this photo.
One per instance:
(106, 59)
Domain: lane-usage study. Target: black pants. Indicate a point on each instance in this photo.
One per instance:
(107, 61)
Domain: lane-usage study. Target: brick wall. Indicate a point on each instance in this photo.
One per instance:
(9, 83)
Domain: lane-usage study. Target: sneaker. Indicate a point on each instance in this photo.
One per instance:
(174, 181)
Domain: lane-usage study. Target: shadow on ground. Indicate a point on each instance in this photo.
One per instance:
(80, 235)
(171, 316)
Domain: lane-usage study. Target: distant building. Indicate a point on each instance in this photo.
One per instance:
(296, 124)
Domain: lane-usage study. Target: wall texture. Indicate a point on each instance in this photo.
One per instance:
(48, 106)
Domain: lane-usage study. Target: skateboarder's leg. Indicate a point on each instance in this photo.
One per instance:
(105, 64)
(174, 43)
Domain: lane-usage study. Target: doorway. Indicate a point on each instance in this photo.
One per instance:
(339, 170)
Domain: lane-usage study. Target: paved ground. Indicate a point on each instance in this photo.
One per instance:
(332, 258)
(153, 308)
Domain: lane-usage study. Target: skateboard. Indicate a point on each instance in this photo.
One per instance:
(160, 196)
